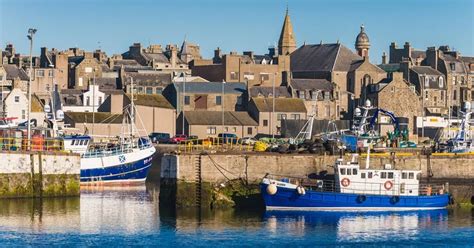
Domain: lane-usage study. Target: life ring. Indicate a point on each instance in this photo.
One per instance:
(345, 182)
(301, 190)
(388, 185)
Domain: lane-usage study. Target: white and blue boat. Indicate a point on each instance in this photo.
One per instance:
(354, 189)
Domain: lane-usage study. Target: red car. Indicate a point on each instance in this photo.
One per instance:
(178, 138)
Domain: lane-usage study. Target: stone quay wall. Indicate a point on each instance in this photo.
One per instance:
(39, 174)
(216, 171)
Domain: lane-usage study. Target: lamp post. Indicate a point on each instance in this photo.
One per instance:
(53, 113)
(184, 99)
(31, 33)
(423, 106)
(222, 102)
(273, 107)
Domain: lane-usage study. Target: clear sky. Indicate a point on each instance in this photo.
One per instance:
(235, 25)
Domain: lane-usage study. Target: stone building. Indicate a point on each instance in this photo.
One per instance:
(210, 96)
(431, 84)
(318, 96)
(268, 92)
(257, 70)
(268, 112)
(211, 123)
(407, 53)
(386, 95)
(337, 64)
(82, 70)
(157, 58)
(189, 52)
(57, 62)
(454, 69)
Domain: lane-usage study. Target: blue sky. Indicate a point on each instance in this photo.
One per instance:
(235, 25)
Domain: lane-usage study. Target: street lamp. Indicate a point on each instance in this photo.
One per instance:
(31, 33)
(273, 107)
(222, 102)
(52, 89)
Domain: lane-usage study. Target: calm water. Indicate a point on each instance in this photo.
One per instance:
(133, 217)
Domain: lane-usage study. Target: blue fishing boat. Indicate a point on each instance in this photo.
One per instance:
(354, 189)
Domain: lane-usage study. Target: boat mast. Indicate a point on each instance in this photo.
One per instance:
(132, 111)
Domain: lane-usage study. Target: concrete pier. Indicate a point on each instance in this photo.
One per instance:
(210, 179)
(39, 174)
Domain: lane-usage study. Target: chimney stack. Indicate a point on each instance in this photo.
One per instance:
(384, 58)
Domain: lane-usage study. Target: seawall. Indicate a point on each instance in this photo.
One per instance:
(39, 174)
(196, 178)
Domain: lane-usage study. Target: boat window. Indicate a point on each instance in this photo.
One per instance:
(343, 171)
(354, 171)
(362, 175)
(369, 175)
(383, 175)
(404, 175)
(81, 143)
(85, 142)
(72, 143)
(349, 172)
(411, 175)
(418, 176)
(390, 175)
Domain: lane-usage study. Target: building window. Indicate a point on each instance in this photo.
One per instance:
(218, 100)
(314, 94)
(367, 79)
(264, 76)
(427, 82)
(211, 130)
(328, 111)
(226, 129)
(426, 95)
(234, 129)
(187, 99)
(100, 100)
(327, 96)
(441, 82)
(452, 66)
(442, 95)
(454, 80)
(462, 79)
(158, 90)
(23, 114)
(88, 101)
(234, 75)
(248, 76)
(295, 116)
(249, 131)
(301, 94)
(140, 89)
(149, 90)
(265, 123)
(17, 99)
(50, 73)
(455, 95)
(40, 73)
(281, 117)
(80, 82)
(435, 99)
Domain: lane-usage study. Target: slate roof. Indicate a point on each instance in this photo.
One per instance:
(280, 91)
(390, 67)
(211, 87)
(418, 54)
(14, 72)
(151, 100)
(451, 59)
(428, 70)
(323, 57)
(99, 117)
(311, 84)
(467, 59)
(231, 118)
(106, 83)
(148, 79)
(281, 104)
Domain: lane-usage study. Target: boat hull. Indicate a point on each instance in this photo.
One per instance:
(290, 199)
(121, 169)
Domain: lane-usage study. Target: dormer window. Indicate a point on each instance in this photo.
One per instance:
(427, 82)
(452, 66)
(441, 82)
(301, 94)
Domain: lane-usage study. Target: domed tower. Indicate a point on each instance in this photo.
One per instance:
(362, 43)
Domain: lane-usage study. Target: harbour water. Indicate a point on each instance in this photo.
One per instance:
(133, 217)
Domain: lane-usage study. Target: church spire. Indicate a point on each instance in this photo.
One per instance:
(287, 42)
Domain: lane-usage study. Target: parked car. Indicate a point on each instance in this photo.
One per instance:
(178, 138)
(228, 138)
(158, 138)
(247, 141)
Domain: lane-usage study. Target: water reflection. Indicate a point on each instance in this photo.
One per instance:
(132, 214)
(357, 226)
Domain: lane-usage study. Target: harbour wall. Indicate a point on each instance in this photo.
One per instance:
(39, 174)
(193, 176)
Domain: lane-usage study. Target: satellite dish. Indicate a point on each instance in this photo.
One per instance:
(47, 108)
(59, 115)
(368, 103)
(357, 112)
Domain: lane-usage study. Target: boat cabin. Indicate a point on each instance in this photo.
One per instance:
(76, 143)
(352, 179)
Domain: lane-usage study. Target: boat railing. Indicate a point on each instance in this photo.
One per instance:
(35, 144)
(331, 185)
(110, 149)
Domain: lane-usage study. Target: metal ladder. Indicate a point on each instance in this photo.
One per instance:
(198, 180)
